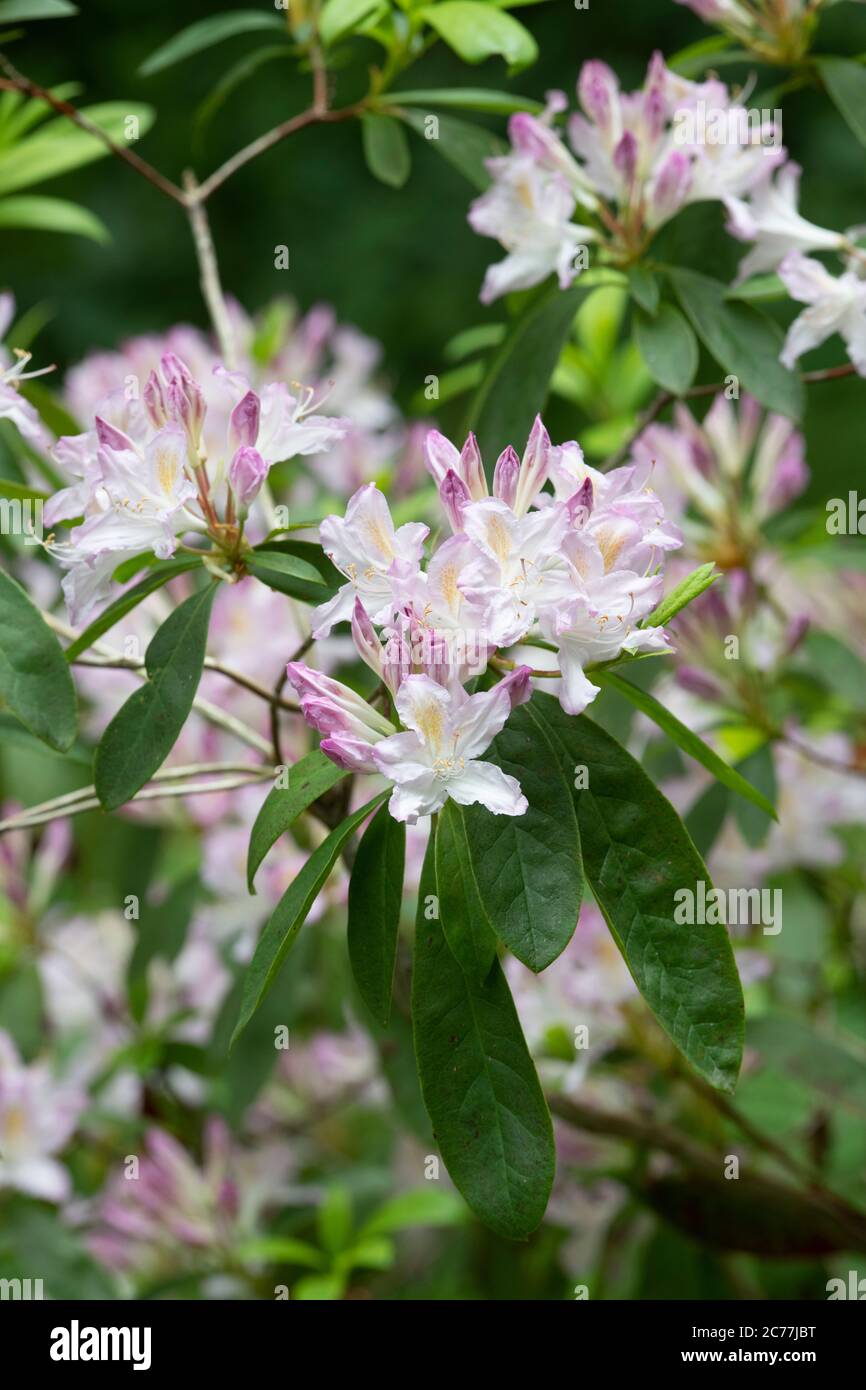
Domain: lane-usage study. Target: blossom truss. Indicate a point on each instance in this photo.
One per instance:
(779, 31)
(626, 164)
(555, 554)
(171, 461)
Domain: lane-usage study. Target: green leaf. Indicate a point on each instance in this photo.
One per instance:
(281, 930)
(643, 288)
(319, 1288)
(480, 1087)
(58, 146)
(237, 75)
(375, 898)
(697, 57)
(161, 574)
(376, 1253)
(339, 17)
(668, 347)
(308, 780)
(476, 31)
(686, 739)
(528, 868)
(742, 339)
(34, 678)
(637, 854)
(386, 149)
(289, 574)
(52, 215)
(207, 32)
(21, 492)
(760, 289)
(754, 821)
(424, 1207)
(334, 1219)
(145, 729)
(464, 146)
(845, 81)
(11, 11)
(688, 589)
(462, 910)
(517, 381)
(465, 99)
(284, 1250)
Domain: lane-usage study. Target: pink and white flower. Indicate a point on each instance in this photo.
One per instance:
(836, 304)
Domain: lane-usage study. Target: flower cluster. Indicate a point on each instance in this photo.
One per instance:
(559, 555)
(635, 160)
(150, 469)
(779, 31)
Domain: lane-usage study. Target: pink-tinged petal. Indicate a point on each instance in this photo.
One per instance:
(440, 455)
(505, 476)
(244, 421)
(517, 685)
(625, 156)
(353, 754)
(485, 784)
(110, 437)
(337, 610)
(454, 496)
(598, 93)
(576, 690)
(471, 469)
(367, 644)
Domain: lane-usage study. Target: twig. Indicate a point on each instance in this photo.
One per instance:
(64, 108)
(666, 398)
(211, 285)
(127, 663)
(267, 141)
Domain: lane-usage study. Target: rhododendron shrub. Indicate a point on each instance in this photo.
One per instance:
(453, 736)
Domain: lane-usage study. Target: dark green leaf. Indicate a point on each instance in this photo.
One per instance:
(34, 678)
(156, 577)
(386, 149)
(742, 339)
(375, 898)
(237, 75)
(686, 739)
(528, 868)
(637, 854)
(845, 81)
(465, 99)
(281, 929)
(462, 910)
(289, 574)
(480, 1087)
(517, 381)
(308, 780)
(145, 729)
(668, 347)
(477, 31)
(207, 32)
(643, 288)
(754, 821)
(466, 147)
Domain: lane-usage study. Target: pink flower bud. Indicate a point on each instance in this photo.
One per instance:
(472, 469)
(244, 421)
(505, 476)
(247, 472)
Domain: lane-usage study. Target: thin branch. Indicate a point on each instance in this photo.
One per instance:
(23, 84)
(666, 398)
(267, 141)
(211, 285)
(76, 803)
(127, 663)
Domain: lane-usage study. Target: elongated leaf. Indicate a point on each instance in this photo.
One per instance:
(52, 215)
(386, 149)
(11, 11)
(237, 75)
(21, 492)
(688, 589)
(339, 17)
(308, 780)
(464, 146)
(686, 739)
(643, 287)
(160, 575)
(143, 732)
(845, 81)
(207, 32)
(477, 31)
(528, 868)
(480, 1087)
(465, 99)
(637, 854)
(517, 381)
(34, 679)
(668, 347)
(281, 930)
(742, 340)
(462, 910)
(375, 897)
(426, 1206)
(58, 146)
(289, 574)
